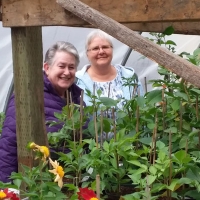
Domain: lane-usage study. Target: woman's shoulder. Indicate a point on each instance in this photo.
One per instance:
(125, 71)
(80, 73)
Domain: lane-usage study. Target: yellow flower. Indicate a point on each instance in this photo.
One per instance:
(93, 198)
(58, 171)
(32, 145)
(45, 151)
(2, 195)
(42, 149)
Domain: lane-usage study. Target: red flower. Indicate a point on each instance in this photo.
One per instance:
(10, 195)
(86, 194)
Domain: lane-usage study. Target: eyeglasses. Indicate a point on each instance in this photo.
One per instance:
(97, 49)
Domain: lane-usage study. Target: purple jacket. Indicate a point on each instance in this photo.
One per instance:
(8, 144)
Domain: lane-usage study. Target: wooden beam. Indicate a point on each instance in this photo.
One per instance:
(18, 13)
(173, 62)
(0, 10)
(28, 87)
(187, 28)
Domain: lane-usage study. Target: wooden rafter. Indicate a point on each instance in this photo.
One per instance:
(149, 15)
(0, 10)
(174, 63)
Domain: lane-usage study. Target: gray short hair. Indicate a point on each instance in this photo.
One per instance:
(61, 46)
(97, 33)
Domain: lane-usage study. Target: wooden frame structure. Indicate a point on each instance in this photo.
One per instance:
(117, 18)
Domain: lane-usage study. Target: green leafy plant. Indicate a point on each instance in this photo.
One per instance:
(149, 149)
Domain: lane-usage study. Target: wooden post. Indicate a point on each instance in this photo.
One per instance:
(167, 59)
(28, 88)
(0, 10)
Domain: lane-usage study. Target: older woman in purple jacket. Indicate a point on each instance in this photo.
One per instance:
(60, 65)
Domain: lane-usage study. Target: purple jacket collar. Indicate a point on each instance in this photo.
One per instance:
(74, 89)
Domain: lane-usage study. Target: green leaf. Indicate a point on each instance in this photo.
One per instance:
(181, 157)
(171, 129)
(182, 95)
(163, 71)
(175, 105)
(140, 101)
(106, 125)
(152, 170)
(108, 102)
(193, 194)
(121, 114)
(106, 146)
(174, 184)
(169, 30)
(137, 163)
(151, 125)
(17, 182)
(196, 90)
(146, 140)
(170, 42)
(154, 96)
(151, 179)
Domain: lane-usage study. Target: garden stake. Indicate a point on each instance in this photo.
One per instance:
(186, 92)
(101, 128)
(137, 119)
(98, 186)
(95, 128)
(67, 97)
(154, 138)
(170, 167)
(151, 150)
(197, 115)
(184, 173)
(181, 117)
(114, 125)
(116, 154)
(75, 181)
(71, 115)
(67, 100)
(147, 190)
(197, 108)
(94, 118)
(107, 108)
(163, 108)
(145, 84)
(81, 116)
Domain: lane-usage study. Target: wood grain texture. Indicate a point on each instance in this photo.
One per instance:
(174, 63)
(18, 13)
(187, 28)
(28, 86)
(0, 10)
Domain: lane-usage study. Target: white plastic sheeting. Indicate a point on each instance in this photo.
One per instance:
(143, 67)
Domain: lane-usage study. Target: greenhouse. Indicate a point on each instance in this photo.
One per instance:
(138, 140)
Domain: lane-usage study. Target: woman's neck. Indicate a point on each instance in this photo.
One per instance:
(102, 74)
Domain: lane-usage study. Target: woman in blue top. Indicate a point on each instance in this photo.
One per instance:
(103, 75)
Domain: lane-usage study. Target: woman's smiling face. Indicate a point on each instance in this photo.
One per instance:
(100, 52)
(61, 73)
